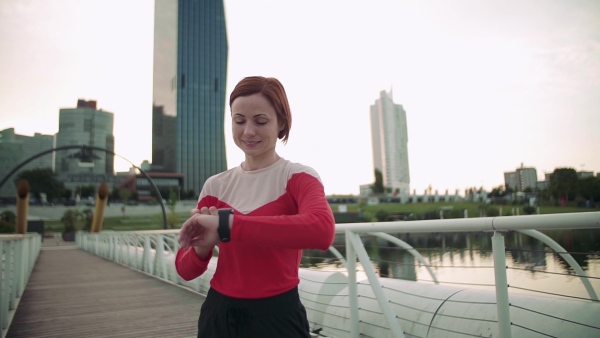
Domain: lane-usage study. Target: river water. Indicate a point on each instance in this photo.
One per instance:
(465, 259)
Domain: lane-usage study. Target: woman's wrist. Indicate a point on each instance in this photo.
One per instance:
(203, 253)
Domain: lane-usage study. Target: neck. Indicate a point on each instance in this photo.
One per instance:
(252, 163)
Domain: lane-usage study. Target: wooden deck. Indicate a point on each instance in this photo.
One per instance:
(72, 293)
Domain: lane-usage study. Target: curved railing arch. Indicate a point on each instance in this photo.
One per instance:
(84, 149)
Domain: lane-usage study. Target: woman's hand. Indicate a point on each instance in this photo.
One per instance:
(200, 230)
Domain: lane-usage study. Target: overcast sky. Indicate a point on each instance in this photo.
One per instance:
(486, 85)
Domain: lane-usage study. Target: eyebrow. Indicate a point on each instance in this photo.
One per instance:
(256, 115)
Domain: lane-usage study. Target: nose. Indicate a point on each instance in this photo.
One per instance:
(249, 129)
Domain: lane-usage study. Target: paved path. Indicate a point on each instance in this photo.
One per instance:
(72, 293)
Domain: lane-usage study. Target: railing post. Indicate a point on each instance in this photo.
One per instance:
(111, 247)
(146, 264)
(3, 287)
(24, 265)
(127, 255)
(502, 303)
(352, 287)
(13, 274)
(384, 303)
(117, 249)
(18, 260)
(160, 268)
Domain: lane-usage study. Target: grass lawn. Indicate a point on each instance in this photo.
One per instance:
(123, 223)
(455, 209)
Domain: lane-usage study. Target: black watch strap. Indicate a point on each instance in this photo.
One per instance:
(224, 233)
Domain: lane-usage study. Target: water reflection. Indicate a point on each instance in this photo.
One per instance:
(466, 258)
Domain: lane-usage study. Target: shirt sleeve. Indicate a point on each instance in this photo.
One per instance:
(189, 265)
(187, 262)
(312, 227)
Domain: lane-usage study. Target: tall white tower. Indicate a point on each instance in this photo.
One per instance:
(389, 137)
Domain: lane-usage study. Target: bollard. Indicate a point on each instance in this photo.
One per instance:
(22, 206)
(101, 200)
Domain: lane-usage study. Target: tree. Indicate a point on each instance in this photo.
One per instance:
(564, 182)
(8, 220)
(88, 217)
(497, 191)
(71, 220)
(381, 215)
(42, 181)
(590, 188)
(172, 217)
(189, 194)
(124, 195)
(378, 187)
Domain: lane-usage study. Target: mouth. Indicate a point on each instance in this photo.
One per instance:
(251, 143)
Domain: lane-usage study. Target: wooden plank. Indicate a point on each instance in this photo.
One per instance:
(72, 293)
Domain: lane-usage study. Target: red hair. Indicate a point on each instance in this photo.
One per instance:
(273, 91)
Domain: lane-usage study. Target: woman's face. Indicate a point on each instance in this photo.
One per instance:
(255, 127)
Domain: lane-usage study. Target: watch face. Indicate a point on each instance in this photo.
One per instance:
(224, 224)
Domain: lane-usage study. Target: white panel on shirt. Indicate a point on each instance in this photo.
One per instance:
(246, 191)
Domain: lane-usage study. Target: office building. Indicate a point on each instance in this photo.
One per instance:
(89, 126)
(389, 137)
(164, 148)
(14, 149)
(521, 179)
(511, 180)
(189, 98)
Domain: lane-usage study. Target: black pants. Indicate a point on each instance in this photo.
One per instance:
(279, 316)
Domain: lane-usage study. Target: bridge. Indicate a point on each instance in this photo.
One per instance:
(73, 293)
(123, 284)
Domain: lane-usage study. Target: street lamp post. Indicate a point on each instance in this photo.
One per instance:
(86, 156)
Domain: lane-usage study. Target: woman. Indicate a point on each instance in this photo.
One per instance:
(261, 214)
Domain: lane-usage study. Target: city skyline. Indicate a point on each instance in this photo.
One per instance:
(487, 86)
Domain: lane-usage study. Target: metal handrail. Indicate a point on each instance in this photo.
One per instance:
(18, 254)
(153, 262)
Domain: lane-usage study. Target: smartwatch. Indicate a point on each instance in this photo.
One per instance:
(224, 232)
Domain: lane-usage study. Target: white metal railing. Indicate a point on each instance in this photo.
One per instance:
(18, 256)
(153, 252)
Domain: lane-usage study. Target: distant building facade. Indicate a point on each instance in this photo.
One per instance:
(389, 138)
(85, 125)
(14, 149)
(365, 190)
(189, 98)
(521, 179)
(138, 183)
(164, 132)
(585, 174)
(511, 180)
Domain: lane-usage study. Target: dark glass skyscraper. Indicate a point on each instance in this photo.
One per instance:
(190, 70)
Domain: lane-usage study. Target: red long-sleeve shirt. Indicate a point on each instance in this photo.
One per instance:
(278, 211)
